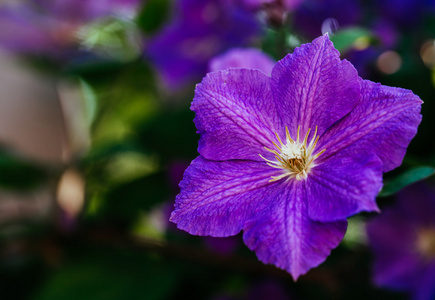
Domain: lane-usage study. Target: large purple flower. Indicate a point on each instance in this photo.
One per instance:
(403, 242)
(287, 158)
(200, 30)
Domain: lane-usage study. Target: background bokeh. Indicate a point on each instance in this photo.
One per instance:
(96, 132)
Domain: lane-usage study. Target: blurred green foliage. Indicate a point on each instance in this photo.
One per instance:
(404, 179)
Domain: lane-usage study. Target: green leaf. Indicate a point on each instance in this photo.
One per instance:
(352, 37)
(405, 179)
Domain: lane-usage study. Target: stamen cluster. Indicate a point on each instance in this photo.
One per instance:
(294, 157)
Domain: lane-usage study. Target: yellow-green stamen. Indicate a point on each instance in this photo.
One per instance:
(293, 157)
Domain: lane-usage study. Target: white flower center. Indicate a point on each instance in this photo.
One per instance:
(291, 151)
(294, 157)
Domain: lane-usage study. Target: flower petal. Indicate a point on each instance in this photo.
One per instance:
(401, 260)
(425, 287)
(234, 115)
(284, 235)
(313, 87)
(396, 262)
(200, 30)
(335, 191)
(217, 198)
(383, 122)
(249, 58)
(25, 31)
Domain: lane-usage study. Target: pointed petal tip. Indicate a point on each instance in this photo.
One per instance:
(376, 209)
(296, 271)
(172, 217)
(372, 207)
(295, 275)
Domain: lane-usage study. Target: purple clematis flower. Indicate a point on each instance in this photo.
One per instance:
(403, 242)
(250, 58)
(201, 30)
(288, 157)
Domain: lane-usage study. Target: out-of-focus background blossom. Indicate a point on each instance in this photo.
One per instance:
(96, 132)
(62, 29)
(198, 30)
(403, 243)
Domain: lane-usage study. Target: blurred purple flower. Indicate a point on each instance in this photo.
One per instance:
(200, 30)
(403, 243)
(289, 5)
(405, 14)
(332, 135)
(363, 60)
(85, 10)
(249, 58)
(49, 27)
(311, 14)
(386, 33)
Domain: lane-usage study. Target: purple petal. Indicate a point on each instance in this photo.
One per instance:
(84, 10)
(284, 235)
(200, 30)
(233, 115)
(255, 4)
(383, 122)
(335, 191)
(313, 87)
(25, 31)
(401, 262)
(397, 272)
(289, 5)
(249, 58)
(217, 198)
(396, 263)
(426, 286)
